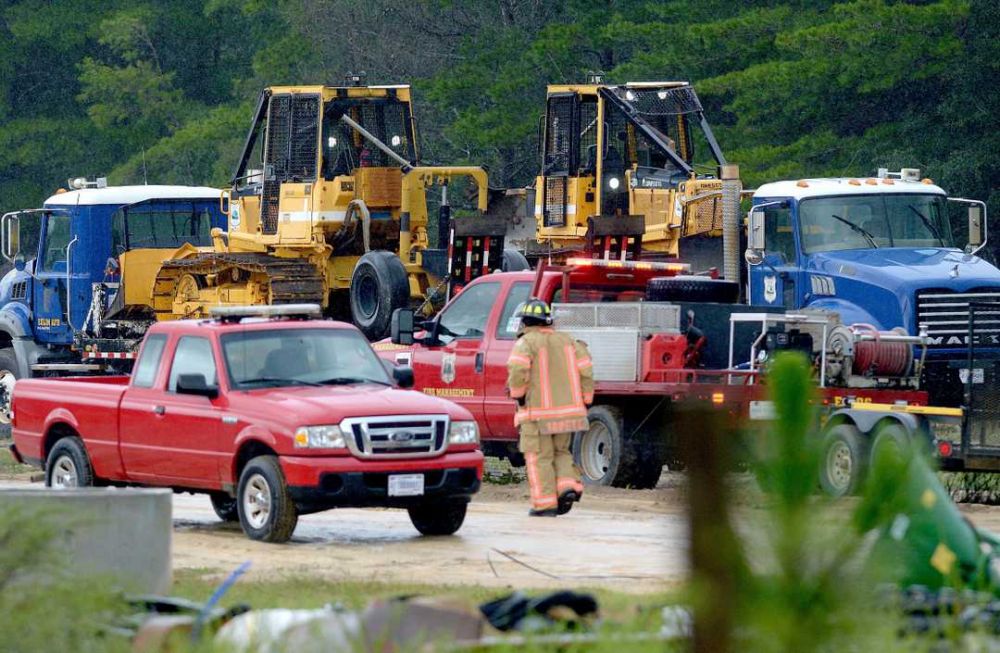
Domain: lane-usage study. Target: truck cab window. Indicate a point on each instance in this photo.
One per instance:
(149, 362)
(193, 356)
(508, 325)
(778, 233)
(57, 237)
(466, 316)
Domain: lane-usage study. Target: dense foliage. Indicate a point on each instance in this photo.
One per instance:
(163, 89)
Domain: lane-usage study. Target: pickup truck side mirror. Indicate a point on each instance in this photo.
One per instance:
(401, 327)
(195, 384)
(403, 374)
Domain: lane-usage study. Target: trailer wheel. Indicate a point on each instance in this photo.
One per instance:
(266, 510)
(379, 286)
(225, 507)
(514, 261)
(438, 519)
(68, 465)
(844, 460)
(8, 375)
(892, 439)
(690, 288)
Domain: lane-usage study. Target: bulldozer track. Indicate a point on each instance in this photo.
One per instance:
(292, 281)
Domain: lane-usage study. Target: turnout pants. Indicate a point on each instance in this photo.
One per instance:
(550, 467)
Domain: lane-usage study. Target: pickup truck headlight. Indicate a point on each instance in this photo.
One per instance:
(463, 433)
(319, 437)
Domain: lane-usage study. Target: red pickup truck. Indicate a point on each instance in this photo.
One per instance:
(272, 417)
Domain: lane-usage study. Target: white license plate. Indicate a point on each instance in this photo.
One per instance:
(406, 485)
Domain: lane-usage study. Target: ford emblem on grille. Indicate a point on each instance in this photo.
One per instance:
(401, 436)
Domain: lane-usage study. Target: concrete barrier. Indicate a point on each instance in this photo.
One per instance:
(123, 534)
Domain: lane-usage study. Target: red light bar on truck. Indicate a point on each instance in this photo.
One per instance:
(682, 268)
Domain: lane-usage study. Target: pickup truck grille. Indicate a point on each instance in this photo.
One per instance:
(946, 314)
(396, 436)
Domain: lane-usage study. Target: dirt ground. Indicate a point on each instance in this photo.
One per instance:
(619, 539)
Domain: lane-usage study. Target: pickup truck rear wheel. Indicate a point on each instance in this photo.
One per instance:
(267, 512)
(68, 465)
(8, 374)
(438, 518)
(606, 456)
(225, 507)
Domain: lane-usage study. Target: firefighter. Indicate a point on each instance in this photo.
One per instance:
(551, 376)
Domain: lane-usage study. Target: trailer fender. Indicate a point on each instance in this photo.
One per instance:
(867, 421)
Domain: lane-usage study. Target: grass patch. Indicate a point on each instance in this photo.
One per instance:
(297, 591)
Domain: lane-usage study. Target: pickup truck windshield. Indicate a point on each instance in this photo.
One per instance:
(873, 221)
(288, 357)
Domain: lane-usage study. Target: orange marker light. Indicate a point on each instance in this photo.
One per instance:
(718, 397)
(802, 183)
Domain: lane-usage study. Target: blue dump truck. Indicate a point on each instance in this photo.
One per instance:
(882, 252)
(78, 295)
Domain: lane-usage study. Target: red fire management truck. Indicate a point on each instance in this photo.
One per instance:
(656, 342)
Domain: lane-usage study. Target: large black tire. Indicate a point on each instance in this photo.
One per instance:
(444, 518)
(843, 460)
(514, 261)
(689, 288)
(606, 457)
(267, 512)
(68, 465)
(379, 286)
(8, 373)
(225, 507)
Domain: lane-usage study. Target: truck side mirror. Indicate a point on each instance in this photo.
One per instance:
(401, 327)
(10, 234)
(403, 374)
(975, 225)
(196, 384)
(755, 237)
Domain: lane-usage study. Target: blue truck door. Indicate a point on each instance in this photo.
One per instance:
(49, 292)
(777, 280)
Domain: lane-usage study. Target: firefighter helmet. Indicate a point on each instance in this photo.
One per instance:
(534, 312)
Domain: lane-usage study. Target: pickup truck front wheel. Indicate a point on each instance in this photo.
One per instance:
(438, 519)
(68, 465)
(265, 507)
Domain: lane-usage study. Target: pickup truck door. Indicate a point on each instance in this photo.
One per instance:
(498, 408)
(453, 367)
(167, 437)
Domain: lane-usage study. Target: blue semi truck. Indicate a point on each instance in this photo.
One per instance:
(881, 251)
(63, 306)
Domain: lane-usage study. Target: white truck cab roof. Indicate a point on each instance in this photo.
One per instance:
(805, 188)
(131, 195)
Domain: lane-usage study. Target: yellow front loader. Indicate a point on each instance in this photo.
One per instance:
(328, 206)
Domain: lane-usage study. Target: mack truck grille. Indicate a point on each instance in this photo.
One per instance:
(396, 436)
(946, 315)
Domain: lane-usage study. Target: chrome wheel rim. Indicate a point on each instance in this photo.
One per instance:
(839, 465)
(257, 501)
(64, 474)
(595, 451)
(6, 394)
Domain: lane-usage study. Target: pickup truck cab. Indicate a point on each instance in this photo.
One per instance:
(271, 414)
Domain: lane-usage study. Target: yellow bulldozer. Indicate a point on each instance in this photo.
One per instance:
(627, 168)
(328, 205)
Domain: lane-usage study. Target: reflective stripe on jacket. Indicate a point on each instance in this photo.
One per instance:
(554, 374)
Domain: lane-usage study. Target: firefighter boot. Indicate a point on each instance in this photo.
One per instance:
(545, 512)
(568, 485)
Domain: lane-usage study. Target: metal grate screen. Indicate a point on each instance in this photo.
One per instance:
(981, 376)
